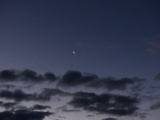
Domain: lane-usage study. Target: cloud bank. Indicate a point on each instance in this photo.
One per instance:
(116, 97)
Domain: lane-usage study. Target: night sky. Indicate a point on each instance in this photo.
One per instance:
(79, 59)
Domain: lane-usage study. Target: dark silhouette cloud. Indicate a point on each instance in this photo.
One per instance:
(72, 78)
(8, 75)
(110, 119)
(69, 79)
(40, 107)
(19, 95)
(112, 104)
(105, 103)
(26, 75)
(50, 76)
(31, 75)
(76, 78)
(23, 115)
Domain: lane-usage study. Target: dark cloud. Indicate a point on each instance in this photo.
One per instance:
(23, 115)
(7, 104)
(19, 95)
(50, 76)
(26, 75)
(31, 75)
(45, 95)
(112, 83)
(8, 75)
(105, 103)
(110, 119)
(40, 107)
(155, 106)
(76, 78)
(69, 79)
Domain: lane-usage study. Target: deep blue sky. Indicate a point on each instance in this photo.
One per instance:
(109, 36)
(117, 38)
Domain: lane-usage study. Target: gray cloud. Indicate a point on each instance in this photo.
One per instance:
(7, 104)
(155, 106)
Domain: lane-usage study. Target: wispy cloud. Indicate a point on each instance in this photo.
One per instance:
(157, 77)
(92, 45)
(153, 45)
(155, 106)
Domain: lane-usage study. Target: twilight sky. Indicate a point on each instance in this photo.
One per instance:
(113, 75)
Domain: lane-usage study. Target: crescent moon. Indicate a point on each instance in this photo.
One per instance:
(74, 52)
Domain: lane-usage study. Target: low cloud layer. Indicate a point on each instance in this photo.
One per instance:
(108, 96)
